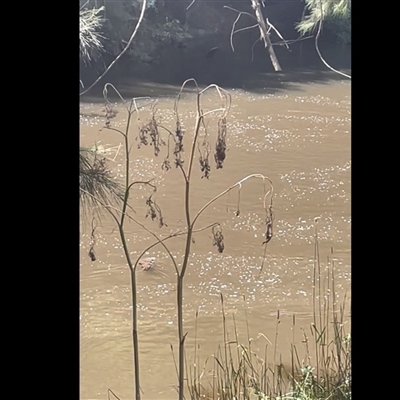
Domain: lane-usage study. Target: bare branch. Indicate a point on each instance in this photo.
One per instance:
(178, 97)
(264, 28)
(190, 5)
(214, 111)
(291, 41)
(233, 30)
(174, 235)
(240, 13)
(133, 101)
(277, 32)
(246, 28)
(252, 48)
(122, 52)
(237, 184)
(109, 207)
(105, 93)
(110, 391)
(225, 97)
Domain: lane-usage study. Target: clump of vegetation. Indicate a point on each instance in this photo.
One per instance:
(96, 183)
(336, 15)
(321, 370)
(90, 36)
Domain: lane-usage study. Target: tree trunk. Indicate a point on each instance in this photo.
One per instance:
(264, 34)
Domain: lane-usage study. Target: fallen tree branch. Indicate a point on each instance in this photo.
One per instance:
(241, 29)
(264, 32)
(276, 31)
(122, 52)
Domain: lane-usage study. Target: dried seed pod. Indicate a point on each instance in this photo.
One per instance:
(109, 113)
(178, 138)
(220, 146)
(204, 155)
(166, 165)
(205, 167)
(151, 211)
(155, 138)
(269, 225)
(154, 212)
(142, 136)
(218, 238)
(178, 162)
(92, 255)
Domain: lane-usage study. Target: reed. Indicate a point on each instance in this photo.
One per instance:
(320, 369)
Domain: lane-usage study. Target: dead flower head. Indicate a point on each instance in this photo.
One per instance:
(154, 212)
(269, 225)
(204, 153)
(218, 238)
(166, 165)
(92, 255)
(178, 138)
(149, 133)
(220, 146)
(109, 114)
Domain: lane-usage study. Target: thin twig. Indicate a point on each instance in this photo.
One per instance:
(245, 28)
(277, 32)
(317, 46)
(240, 13)
(233, 30)
(178, 97)
(110, 391)
(252, 48)
(159, 241)
(291, 41)
(259, 176)
(174, 235)
(190, 5)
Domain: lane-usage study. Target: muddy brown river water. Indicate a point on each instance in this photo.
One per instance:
(299, 136)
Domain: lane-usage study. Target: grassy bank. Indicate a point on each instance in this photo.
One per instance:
(320, 368)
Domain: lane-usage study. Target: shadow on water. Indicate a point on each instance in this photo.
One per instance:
(227, 69)
(267, 83)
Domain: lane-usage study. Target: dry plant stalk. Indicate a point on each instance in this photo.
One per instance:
(149, 134)
(204, 148)
(120, 215)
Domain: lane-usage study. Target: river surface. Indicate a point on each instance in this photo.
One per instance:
(298, 133)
